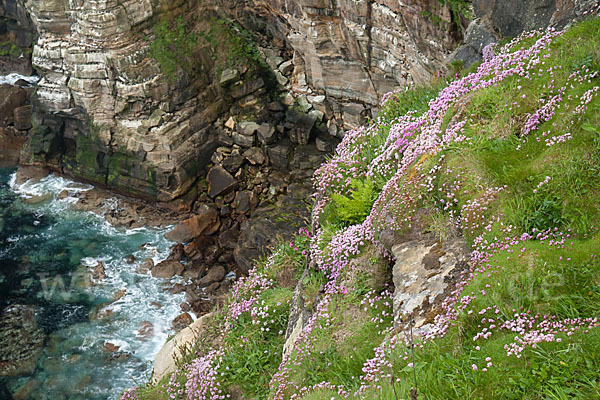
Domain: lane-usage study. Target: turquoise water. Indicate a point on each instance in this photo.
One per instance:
(46, 252)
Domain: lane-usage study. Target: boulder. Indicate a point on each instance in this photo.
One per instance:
(302, 130)
(478, 35)
(229, 76)
(164, 362)
(512, 17)
(181, 322)
(266, 134)
(232, 163)
(21, 340)
(196, 248)
(247, 128)
(324, 143)
(97, 272)
(215, 274)
(242, 89)
(242, 201)
(425, 273)
(255, 156)
(22, 118)
(220, 181)
(167, 269)
(298, 316)
(280, 155)
(229, 237)
(243, 140)
(286, 67)
(12, 98)
(206, 222)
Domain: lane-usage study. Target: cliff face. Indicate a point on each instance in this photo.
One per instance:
(16, 38)
(359, 50)
(106, 113)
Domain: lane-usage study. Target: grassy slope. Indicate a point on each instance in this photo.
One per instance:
(493, 179)
(557, 275)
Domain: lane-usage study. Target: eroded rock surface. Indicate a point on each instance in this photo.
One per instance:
(425, 272)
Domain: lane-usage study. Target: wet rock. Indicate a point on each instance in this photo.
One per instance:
(130, 259)
(26, 391)
(102, 311)
(220, 181)
(215, 274)
(145, 330)
(119, 294)
(206, 222)
(111, 347)
(196, 248)
(255, 156)
(157, 304)
(146, 266)
(177, 252)
(38, 199)
(213, 287)
(167, 269)
(181, 322)
(425, 273)
(21, 340)
(98, 272)
(184, 306)
(177, 288)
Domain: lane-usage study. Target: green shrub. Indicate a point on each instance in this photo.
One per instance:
(355, 208)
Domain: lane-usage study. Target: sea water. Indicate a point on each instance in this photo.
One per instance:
(46, 252)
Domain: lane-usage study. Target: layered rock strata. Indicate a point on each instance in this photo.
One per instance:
(106, 112)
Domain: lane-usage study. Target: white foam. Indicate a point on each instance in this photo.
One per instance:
(12, 78)
(51, 184)
(133, 310)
